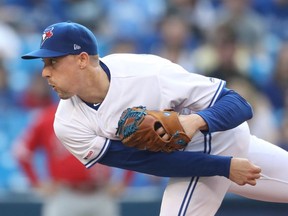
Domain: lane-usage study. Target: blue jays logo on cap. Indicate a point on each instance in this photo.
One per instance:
(65, 38)
(48, 33)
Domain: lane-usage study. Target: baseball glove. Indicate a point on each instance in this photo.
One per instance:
(137, 128)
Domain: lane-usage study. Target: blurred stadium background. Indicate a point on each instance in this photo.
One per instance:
(241, 41)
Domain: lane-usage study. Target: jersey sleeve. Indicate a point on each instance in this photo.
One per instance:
(77, 137)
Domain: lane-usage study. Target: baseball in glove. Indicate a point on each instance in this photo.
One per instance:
(137, 128)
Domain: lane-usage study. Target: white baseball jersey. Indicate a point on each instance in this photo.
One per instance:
(159, 84)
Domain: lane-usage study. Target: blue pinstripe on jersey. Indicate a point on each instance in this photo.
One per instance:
(194, 180)
(188, 196)
(207, 149)
(218, 92)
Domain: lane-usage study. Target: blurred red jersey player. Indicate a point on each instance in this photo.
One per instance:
(71, 187)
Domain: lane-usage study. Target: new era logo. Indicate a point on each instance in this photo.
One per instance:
(77, 47)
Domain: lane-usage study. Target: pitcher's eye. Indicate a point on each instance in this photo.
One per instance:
(53, 61)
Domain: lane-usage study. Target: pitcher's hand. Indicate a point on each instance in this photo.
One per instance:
(190, 123)
(242, 172)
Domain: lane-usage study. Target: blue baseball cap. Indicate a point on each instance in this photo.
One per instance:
(65, 38)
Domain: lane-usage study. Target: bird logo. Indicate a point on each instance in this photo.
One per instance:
(48, 33)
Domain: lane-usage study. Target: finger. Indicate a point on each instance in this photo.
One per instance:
(160, 131)
(252, 182)
(241, 183)
(254, 177)
(166, 137)
(257, 176)
(256, 169)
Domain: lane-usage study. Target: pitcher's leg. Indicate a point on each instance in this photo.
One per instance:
(273, 185)
(194, 196)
